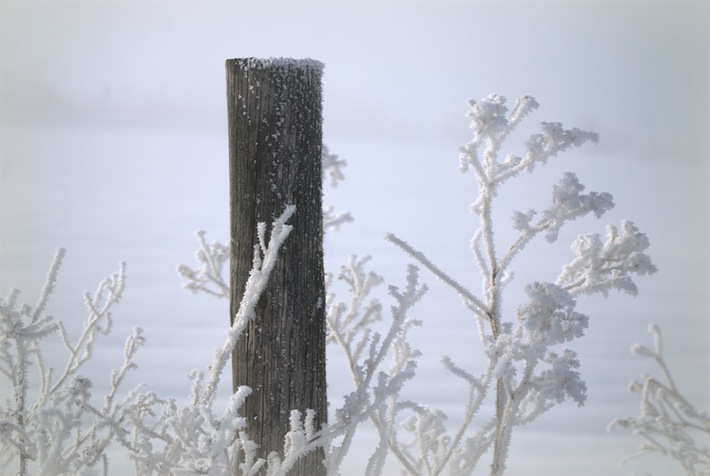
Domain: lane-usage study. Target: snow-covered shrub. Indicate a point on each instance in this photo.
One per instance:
(196, 438)
(50, 425)
(526, 370)
(667, 422)
(367, 352)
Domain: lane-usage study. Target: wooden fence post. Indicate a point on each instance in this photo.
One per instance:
(274, 112)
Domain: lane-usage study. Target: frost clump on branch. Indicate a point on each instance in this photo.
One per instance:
(526, 373)
(600, 267)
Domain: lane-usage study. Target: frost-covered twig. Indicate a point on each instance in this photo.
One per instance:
(469, 298)
(99, 322)
(667, 421)
(208, 277)
(332, 169)
(376, 395)
(346, 322)
(264, 260)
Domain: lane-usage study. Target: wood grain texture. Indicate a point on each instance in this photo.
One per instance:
(275, 136)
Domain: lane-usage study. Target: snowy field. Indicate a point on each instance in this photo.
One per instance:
(113, 145)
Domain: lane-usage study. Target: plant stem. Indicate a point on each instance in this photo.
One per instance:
(493, 295)
(20, 400)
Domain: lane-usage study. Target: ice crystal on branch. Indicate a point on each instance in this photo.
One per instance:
(548, 316)
(263, 263)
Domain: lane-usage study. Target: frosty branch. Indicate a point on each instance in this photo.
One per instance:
(667, 422)
(528, 376)
(51, 426)
(376, 394)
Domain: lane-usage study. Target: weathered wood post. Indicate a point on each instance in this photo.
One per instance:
(274, 113)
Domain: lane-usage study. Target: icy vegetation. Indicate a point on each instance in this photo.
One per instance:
(667, 422)
(526, 371)
(51, 425)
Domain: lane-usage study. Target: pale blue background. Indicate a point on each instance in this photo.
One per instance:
(113, 145)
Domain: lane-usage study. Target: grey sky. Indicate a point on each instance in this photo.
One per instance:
(391, 67)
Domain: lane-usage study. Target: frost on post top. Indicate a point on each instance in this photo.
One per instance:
(264, 63)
